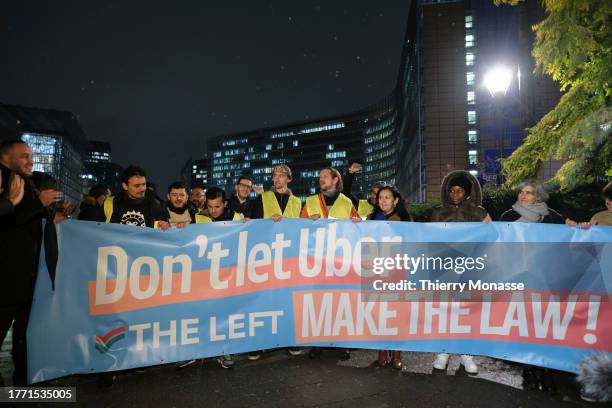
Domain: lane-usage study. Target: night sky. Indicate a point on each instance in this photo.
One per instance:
(156, 78)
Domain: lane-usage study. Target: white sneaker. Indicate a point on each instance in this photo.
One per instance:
(469, 364)
(441, 361)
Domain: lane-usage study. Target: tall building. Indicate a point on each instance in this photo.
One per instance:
(58, 144)
(378, 137)
(439, 117)
(99, 166)
(196, 171)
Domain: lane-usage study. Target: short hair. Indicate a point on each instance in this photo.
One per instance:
(244, 177)
(607, 191)
(197, 185)
(215, 192)
(131, 171)
(7, 145)
(335, 174)
(177, 185)
(379, 184)
(539, 191)
(284, 169)
(98, 190)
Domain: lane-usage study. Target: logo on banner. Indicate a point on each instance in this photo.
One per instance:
(105, 342)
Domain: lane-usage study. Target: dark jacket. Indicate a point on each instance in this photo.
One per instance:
(245, 208)
(90, 210)
(20, 241)
(6, 207)
(143, 212)
(470, 210)
(552, 217)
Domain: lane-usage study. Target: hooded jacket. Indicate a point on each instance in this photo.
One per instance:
(469, 210)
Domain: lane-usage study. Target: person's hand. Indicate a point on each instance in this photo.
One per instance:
(315, 217)
(48, 197)
(276, 217)
(487, 219)
(68, 208)
(180, 225)
(356, 219)
(355, 167)
(16, 189)
(163, 225)
(258, 189)
(572, 224)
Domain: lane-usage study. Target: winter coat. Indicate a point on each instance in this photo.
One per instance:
(470, 210)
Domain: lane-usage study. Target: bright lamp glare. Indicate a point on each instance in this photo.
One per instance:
(498, 80)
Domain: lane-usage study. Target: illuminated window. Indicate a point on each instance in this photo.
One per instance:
(474, 173)
(469, 58)
(471, 116)
(470, 77)
(468, 22)
(471, 98)
(469, 40)
(472, 136)
(472, 157)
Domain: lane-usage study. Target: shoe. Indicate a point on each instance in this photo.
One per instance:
(441, 361)
(469, 364)
(186, 363)
(296, 351)
(226, 361)
(315, 352)
(383, 358)
(256, 355)
(396, 360)
(346, 355)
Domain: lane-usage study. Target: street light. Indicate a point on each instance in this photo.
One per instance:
(497, 81)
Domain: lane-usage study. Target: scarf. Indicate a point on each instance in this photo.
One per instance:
(531, 212)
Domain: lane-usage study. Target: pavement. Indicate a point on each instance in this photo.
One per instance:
(280, 380)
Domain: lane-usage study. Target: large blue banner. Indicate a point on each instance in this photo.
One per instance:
(128, 297)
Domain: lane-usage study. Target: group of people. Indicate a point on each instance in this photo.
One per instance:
(24, 204)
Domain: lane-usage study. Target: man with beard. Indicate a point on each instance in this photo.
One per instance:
(198, 197)
(21, 236)
(135, 205)
(330, 202)
(217, 208)
(180, 211)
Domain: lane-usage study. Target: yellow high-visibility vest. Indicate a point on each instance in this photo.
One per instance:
(341, 208)
(271, 206)
(108, 208)
(365, 208)
(204, 218)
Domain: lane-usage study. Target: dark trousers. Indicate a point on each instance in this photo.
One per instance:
(21, 314)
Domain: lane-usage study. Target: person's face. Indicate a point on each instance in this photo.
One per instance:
(198, 198)
(19, 159)
(178, 197)
(280, 180)
(135, 187)
(456, 195)
(386, 201)
(526, 196)
(327, 181)
(243, 188)
(373, 194)
(104, 196)
(609, 204)
(215, 207)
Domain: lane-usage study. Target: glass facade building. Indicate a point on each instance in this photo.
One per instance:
(58, 145)
(99, 166)
(379, 137)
